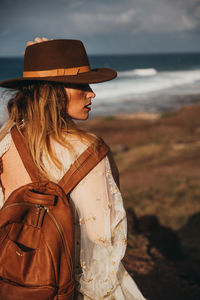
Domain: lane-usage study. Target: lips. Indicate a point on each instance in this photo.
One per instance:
(87, 106)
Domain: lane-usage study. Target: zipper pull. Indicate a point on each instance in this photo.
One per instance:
(39, 215)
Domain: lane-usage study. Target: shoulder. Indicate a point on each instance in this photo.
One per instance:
(97, 140)
(80, 144)
(5, 144)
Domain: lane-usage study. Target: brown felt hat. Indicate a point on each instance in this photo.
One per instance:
(63, 61)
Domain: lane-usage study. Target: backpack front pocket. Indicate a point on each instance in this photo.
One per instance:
(16, 260)
(23, 263)
(10, 291)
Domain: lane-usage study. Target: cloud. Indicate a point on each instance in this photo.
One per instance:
(96, 17)
(97, 20)
(165, 16)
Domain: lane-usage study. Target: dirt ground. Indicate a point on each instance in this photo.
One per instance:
(159, 163)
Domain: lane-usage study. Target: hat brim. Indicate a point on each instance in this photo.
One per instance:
(93, 76)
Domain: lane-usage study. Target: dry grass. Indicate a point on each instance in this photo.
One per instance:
(159, 164)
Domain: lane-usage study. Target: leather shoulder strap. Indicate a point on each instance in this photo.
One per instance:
(83, 165)
(20, 144)
(78, 170)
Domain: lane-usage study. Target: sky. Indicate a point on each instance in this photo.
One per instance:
(105, 26)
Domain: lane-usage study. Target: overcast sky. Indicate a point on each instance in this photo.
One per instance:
(105, 26)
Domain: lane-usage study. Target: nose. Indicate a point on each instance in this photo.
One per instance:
(91, 94)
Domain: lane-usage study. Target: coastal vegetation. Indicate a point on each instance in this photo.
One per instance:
(158, 157)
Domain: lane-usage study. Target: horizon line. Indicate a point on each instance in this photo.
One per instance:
(121, 54)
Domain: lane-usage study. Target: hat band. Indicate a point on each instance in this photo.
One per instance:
(57, 72)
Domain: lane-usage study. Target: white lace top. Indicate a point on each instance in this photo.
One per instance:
(103, 228)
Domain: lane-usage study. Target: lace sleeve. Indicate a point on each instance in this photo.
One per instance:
(4, 146)
(103, 230)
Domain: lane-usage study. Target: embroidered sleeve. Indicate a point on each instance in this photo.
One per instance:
(4, 146)
(103, 230)
(103, 226)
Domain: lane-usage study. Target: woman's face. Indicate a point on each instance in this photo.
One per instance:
(79, 101)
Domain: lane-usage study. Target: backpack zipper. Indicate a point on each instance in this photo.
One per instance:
(62, 237)
(56, 224)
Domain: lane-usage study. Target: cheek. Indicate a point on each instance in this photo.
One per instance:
(76, 102)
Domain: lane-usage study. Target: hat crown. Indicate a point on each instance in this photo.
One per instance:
(55, 54)
(59, 61)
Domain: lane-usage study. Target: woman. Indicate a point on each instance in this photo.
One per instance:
(55, 90)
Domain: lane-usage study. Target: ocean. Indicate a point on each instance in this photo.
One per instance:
(145, 82)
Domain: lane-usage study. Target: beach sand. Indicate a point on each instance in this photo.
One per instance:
(158, 156)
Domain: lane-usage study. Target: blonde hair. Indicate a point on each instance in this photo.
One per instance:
(40, 109)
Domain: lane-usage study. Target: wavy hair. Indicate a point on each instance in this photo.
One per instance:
(40, 109)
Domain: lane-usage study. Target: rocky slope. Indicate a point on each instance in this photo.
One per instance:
(159, 162)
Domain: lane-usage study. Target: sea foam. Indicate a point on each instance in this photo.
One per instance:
(129, 85)
(138, 72)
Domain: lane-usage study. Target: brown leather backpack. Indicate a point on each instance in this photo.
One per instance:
(36, 231)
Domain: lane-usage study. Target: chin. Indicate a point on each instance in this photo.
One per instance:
(85, 117)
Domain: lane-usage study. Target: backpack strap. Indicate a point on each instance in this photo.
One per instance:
(21, 146)
(78, 170)
(83, 165)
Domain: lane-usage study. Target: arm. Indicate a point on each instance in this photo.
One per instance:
(103, 230)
